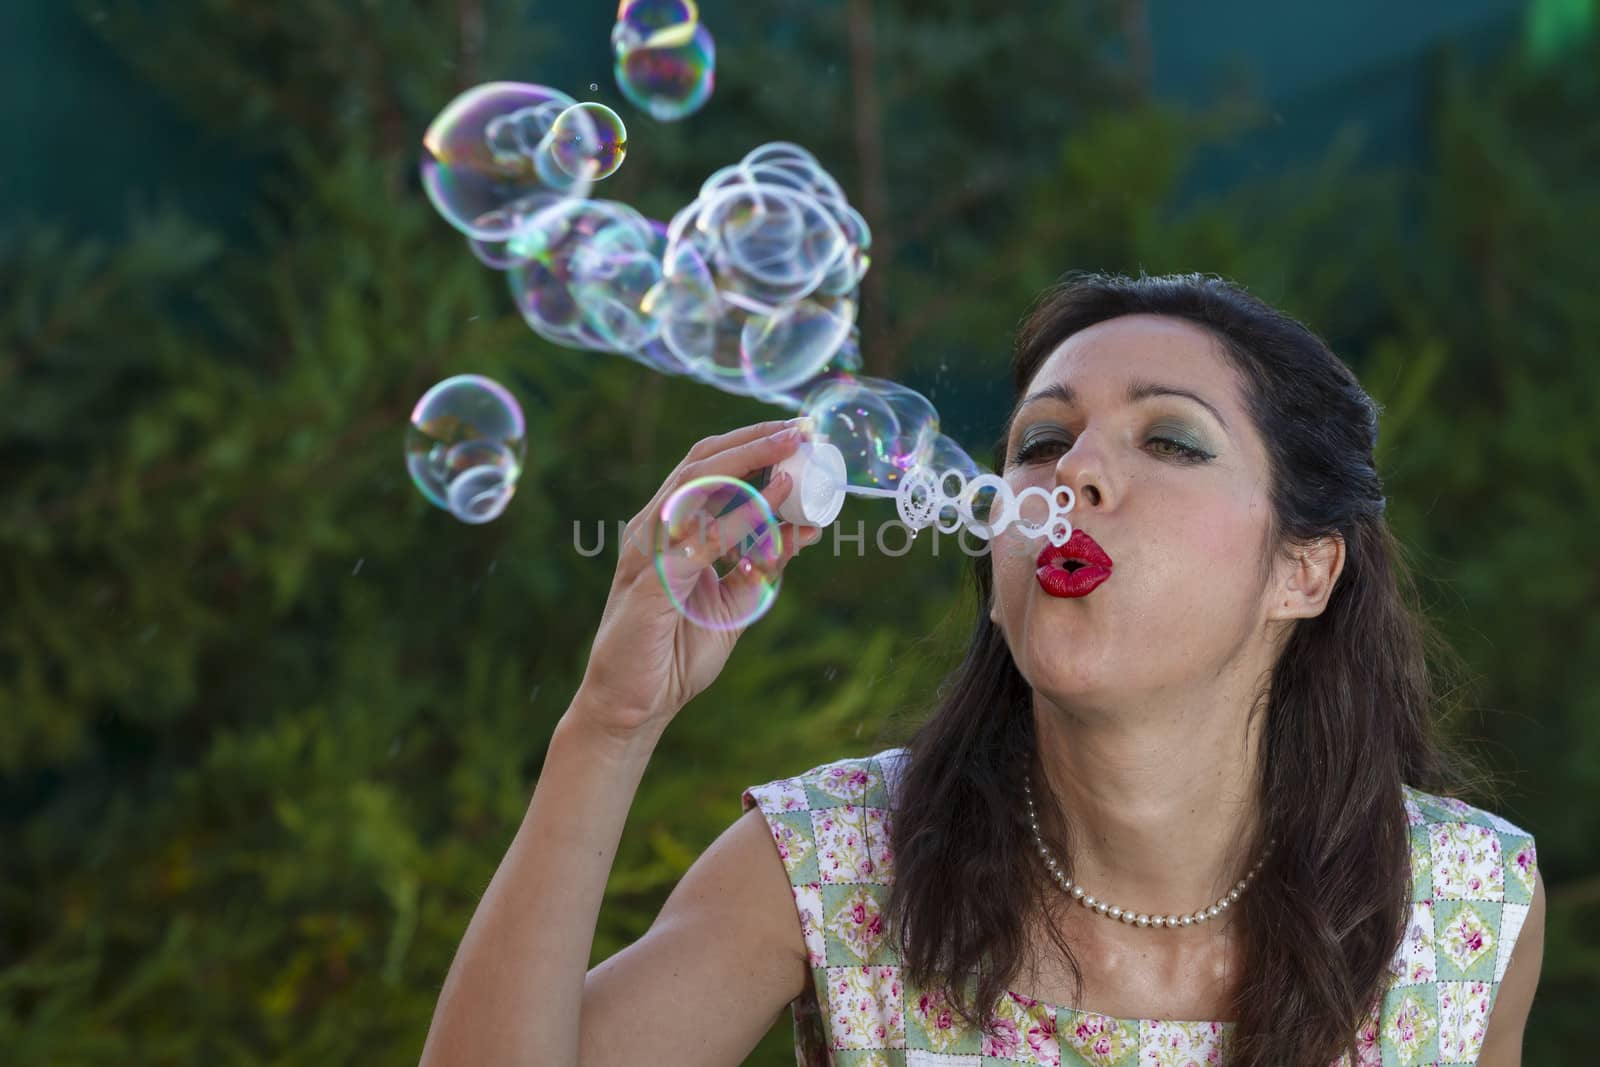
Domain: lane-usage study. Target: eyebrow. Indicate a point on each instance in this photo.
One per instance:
(1138, 389)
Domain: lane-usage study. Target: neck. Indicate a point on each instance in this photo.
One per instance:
(1161, 806)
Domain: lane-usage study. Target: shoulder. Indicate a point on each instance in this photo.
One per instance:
(858, 780)
(1475, 887)
(1467, 853)
(831, 823)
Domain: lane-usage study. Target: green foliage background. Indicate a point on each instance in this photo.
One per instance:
(268, 720)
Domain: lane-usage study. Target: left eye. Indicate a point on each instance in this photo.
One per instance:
(1031, 450)
(1039, 446)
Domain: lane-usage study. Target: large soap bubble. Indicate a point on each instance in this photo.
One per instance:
(717, 545)
(883, 428)
(584, 267)
(489, 150)
(465, 447)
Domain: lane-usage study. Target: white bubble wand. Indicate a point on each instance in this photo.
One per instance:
(923, 498)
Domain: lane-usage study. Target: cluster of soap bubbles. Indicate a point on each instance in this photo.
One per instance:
(465, 447)
(490, 159)
(760, 276)
(751, 288)
(666, 61)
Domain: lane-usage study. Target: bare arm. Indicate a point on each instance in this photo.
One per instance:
(710, 977)
(722, 959)
(1502, 1042)
(515, 988)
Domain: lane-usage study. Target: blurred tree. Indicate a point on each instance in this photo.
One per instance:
(268, 720)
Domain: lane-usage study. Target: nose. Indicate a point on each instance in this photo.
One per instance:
(1081, 470)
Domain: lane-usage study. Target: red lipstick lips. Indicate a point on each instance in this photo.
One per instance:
(1074, 569)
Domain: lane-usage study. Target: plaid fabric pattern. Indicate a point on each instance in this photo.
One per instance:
(1473, 876)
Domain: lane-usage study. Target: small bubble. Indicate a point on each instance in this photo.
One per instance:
(594, 87)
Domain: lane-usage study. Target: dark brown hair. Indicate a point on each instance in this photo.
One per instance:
(1350, 709)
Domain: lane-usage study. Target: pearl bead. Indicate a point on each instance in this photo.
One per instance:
(1102, 907)
(1089, 901)
(1187, 920)
(1233, 894)
(1142, 920)
(1172, 922)
(1213, 911)
(1127, 917)
(1115, 912)
(1077, 892)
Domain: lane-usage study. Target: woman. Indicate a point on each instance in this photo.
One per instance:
(1177, 818)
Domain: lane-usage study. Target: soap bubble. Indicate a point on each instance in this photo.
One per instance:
(669, 81)
(589, 141)
(653, 24)
(883, 428)
(584, 269)
(487, 150)
(465, 446)
(786, 347)
(717, 544)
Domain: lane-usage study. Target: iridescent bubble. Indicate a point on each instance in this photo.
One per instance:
(505, 252)
(669, 81)
(589, 141)
(717, 545)
(943, 456)
(883, 428)
(465, 446)
(482, 154)
(653, 24)
(585, 269)
(793, 343)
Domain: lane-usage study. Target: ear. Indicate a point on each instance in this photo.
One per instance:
(1305, 584)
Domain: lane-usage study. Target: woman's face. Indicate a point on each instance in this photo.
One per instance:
(1176, 492)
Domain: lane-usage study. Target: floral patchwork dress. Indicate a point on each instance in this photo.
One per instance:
(1473, 876)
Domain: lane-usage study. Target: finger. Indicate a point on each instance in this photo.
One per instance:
(710, 446)
(749, 529)
(742, 460)
(689, 468)
(794, 538)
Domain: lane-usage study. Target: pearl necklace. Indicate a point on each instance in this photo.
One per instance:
(1128, 915)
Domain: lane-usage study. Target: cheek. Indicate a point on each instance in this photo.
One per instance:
(1013, 558)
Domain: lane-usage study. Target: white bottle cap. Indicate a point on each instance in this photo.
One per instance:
(817, 497)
